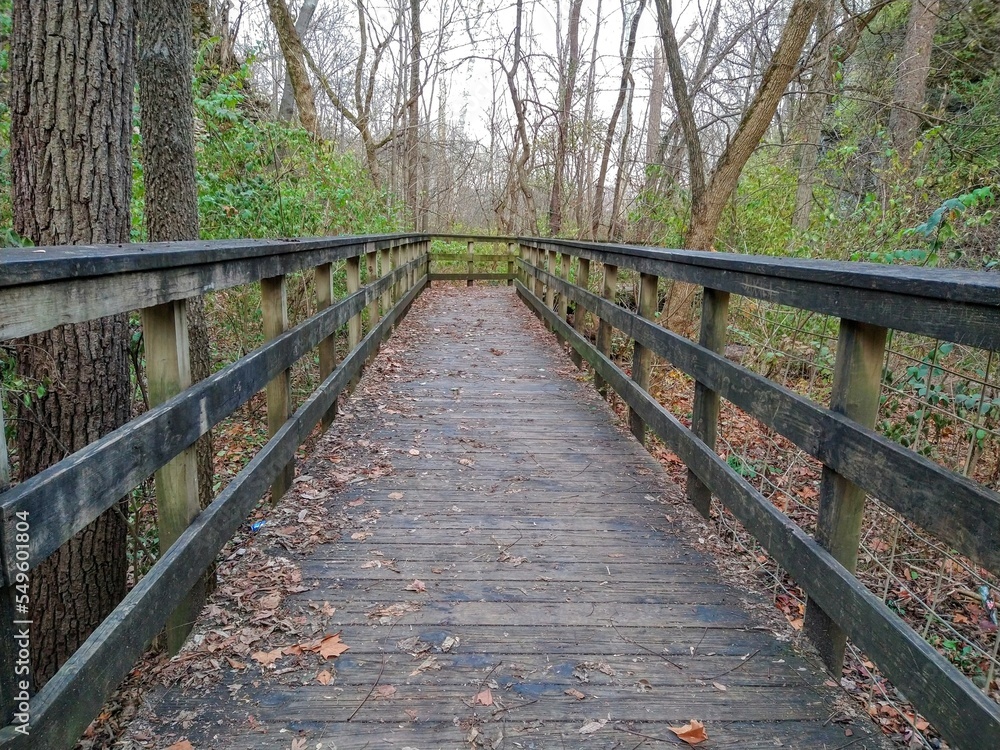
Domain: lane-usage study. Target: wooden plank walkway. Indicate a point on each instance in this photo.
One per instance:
(540, 532)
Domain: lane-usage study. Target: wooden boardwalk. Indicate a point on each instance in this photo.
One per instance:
(561, 593)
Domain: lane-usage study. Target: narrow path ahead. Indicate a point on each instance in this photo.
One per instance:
(519, 577)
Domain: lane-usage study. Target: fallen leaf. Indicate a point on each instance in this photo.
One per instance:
(235, 664)
(361, 535)
(331, 646)
(299, 743)
(417, 586)
(692, 733)
(411, 713)
(395, 495)
(719, 686)
(271, 601)
(414, 452)
(449, 643)
(385, 691)
(324, 677)
(267, 658)
(575, 693)
(426, 665)
(593, 726)
(465, 461)
(182, 745)
(483, 698)
(356, 503)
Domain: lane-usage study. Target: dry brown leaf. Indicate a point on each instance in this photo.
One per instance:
(417, 586)
(575, 693)
(414, 452)
(692, 733)
(361, 535)
(483, 698)
(271, 601)
(299, 743)
(593, 726)
(235, 664)
(267, 658)
(182, 745)
(395, 495)
(426, 665)
(331, 646)
(356, 503)
(719, 686)
(324, 677)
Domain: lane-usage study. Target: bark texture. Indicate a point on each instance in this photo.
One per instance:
(72, 76)
(165, 69)
(911, 79)
(413, 122)
(568, 86)
(294, 53)
(286, 109)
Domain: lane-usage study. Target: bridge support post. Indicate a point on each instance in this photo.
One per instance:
(857, 383)
(168, 372)
(512, 251)
(274, 301)
(564, 261)
(610, 293)
(328, 346)
(705, 411)
(397, 261)
(470, 262)
(580, 312)
(538, 261)
(642, 358)
(550, 291)
(371, 268)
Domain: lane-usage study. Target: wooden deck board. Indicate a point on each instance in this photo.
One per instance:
(543, 535)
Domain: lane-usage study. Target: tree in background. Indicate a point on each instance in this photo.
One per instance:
(71, 136)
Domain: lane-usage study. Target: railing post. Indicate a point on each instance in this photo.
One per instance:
(537, 260)
(550, 291)
(610, 293)
(168, 372)
(580, 312)
(397, 288)
(386, 268)
(470, 263)
(354, 324)
(564, 262)
(512, 251)
(642, 358)
(371, 268)
(328, 346)
(856, 388)
(274, 301)
(705, 411)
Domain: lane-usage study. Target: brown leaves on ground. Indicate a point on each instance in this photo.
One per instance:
(417, 586)
(692, 733)
(575, 693)
(182, 745)
(483, 698)
(329, 647)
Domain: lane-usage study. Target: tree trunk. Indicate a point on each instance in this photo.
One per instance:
(165, 68)
(623, 88)
(295, 63)
(911, 81)
(71, 134)
(655, 107)
(286, 109)
(706, 211)
(810, 120)
(562, 118)
(586, 169)
(413, 117)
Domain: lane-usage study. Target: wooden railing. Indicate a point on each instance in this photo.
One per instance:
(45, 287)
(957, 306)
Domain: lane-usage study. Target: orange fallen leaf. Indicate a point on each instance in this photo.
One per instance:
(266, 658)
(324, 677)
(395, 495)
(417, 586)
(235, 664)
(271, 601)
(356, 503)
(575, 693)
(691, 733)
(385, 691)
(331, 646)
(182, 745)
(483, 698)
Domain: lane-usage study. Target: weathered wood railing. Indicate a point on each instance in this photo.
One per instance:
(39, 290)
(961, 307)
(46, 287)
(472, 266)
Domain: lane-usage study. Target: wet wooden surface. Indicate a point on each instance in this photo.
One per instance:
(554, 556)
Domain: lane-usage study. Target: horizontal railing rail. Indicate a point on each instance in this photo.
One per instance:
(955, 306)
(473, 266)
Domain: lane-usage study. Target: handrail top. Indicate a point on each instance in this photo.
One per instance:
(955, 285)
(35, 265)
(22, 266)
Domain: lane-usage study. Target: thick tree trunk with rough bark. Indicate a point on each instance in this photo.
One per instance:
(165, 69)
(295, 63)
(72, 76)
(911, 79)
(413, 121)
